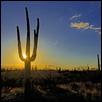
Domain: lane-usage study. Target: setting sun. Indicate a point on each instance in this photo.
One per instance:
(24, 56)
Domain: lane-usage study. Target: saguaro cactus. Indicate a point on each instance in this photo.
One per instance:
(28, 59)
(98, 62)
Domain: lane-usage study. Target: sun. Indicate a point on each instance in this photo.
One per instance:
(24, 56)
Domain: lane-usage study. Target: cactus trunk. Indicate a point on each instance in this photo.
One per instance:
(27, 79)
(28, 59)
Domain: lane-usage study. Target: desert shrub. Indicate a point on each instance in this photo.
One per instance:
(75, 97)
(74, 86)
(95, 77)
(89, 97)
(96, 97)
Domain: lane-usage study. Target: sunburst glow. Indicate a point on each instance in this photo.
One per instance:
(24, 56)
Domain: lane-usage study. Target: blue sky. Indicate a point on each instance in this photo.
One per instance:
(69, 33)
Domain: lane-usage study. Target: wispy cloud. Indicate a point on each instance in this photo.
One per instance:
(99, 33)
(75, 16)
(80, 25)
(97, 28)
(85, 26)
(56, 43)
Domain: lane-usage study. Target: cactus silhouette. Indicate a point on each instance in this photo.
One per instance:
(28, 59)
(98, 62)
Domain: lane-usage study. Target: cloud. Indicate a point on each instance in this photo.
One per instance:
(99, 33)
(97, 28)
(56, 43)
(85, 26)
(89, 27)
(80, 25)
(75, 16)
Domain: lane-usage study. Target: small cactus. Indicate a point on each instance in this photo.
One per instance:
(98, 62)
(28, 59)
(87, 68)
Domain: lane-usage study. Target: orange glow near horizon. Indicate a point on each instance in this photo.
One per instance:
(10, 59)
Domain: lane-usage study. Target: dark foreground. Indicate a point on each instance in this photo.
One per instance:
(52, 86)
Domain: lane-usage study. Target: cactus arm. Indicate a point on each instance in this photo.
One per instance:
(28, 36)
(35, 47)
(37, 26)
(35, 42)
(19, 45)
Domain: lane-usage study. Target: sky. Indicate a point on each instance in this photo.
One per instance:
(69, 33)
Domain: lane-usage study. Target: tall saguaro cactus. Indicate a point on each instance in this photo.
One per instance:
(28, 59)
(98, 62)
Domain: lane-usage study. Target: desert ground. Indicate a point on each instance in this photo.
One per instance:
(52, 85)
